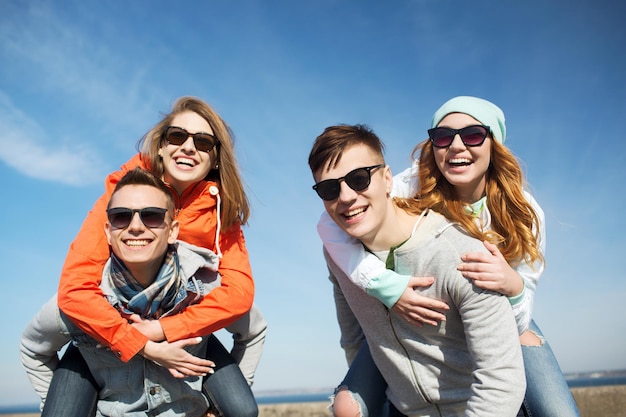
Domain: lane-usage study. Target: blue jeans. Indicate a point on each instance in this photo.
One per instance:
(227, 389)
(73, 392)
(547, 392)
(367, 384)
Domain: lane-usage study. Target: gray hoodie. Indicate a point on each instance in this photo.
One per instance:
(470, 364)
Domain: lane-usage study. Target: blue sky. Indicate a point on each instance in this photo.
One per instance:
(82, 81)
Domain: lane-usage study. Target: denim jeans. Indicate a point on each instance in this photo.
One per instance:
(73, 391)
(227, 389)
(547, 392)
(366, 384)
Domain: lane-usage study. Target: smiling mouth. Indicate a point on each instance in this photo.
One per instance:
(137, 243)
(353, 213)
(186, 162)
(459, 162)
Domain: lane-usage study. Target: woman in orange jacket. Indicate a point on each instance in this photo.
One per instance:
(192, 150)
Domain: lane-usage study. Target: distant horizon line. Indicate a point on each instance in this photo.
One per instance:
(270, 396)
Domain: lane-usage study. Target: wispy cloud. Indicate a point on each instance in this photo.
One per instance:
(39, 158)
(70, 62)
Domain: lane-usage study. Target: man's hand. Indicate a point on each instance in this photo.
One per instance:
(491, 271)
(150, 328)
(417, 309)
(176, 359)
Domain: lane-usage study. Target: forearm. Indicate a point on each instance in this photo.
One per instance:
(350, 256)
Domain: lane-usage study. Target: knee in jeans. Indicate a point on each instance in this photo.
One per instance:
(343, 403)
(530, 338)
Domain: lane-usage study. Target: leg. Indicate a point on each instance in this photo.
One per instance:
(362, 392)
(73, 391)
(227, 388)
(547, 393)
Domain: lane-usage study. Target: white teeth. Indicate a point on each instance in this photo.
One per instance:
(137, 242)
(185, 161)
(459, 161)
(352, 213)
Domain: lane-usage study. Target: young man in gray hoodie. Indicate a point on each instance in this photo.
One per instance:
(149, 275)
(470, 364)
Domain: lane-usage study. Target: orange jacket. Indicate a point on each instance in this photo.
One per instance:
(81, 299)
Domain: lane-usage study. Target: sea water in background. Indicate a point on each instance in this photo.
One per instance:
(574, 380)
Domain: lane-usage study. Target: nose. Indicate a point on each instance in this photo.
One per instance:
(457, 143)
(189, 145)
(345, 192)
(136, 225)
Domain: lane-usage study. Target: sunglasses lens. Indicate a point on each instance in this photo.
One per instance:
(328, 190)
(120, 217)
(441, 137)
(359, 179)
(473, 135)
(204, 142)
(152, 217)
(176, 136)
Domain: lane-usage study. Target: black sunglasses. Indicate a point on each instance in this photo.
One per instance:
(151, 217)
(358, 179)
(204, 142)
(442, 137)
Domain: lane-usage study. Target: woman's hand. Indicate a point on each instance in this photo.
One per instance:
(417, 309)
(491, 271)
(176, 359)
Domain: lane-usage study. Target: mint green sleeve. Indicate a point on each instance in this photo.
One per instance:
(388, 287)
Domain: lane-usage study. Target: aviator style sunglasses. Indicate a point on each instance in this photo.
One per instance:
(442, 137)
(358, 179)
(151, 217)
(204, 142)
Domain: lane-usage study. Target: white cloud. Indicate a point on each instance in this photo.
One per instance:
(24, 147)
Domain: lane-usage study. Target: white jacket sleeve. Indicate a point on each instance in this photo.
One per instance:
(348, 253)
(248, 339)
(523, 305)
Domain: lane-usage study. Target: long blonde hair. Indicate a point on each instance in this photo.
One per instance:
(514, 223)
(235, 205)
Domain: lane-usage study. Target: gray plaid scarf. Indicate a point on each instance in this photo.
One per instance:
(150, 302)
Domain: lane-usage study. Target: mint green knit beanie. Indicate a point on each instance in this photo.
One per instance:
(482, 110)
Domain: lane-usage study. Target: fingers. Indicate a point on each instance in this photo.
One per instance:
(187, 342)
(421, 281)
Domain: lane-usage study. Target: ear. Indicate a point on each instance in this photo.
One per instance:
(388, 179)
(107, 232)
(160, 152)
(173, 234)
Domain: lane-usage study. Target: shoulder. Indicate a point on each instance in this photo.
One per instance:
(451, 234)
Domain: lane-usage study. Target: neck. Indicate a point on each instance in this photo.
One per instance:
(395, 229)
(472, 193)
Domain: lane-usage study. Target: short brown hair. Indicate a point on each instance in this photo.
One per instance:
(140, 176)
(329, 146)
